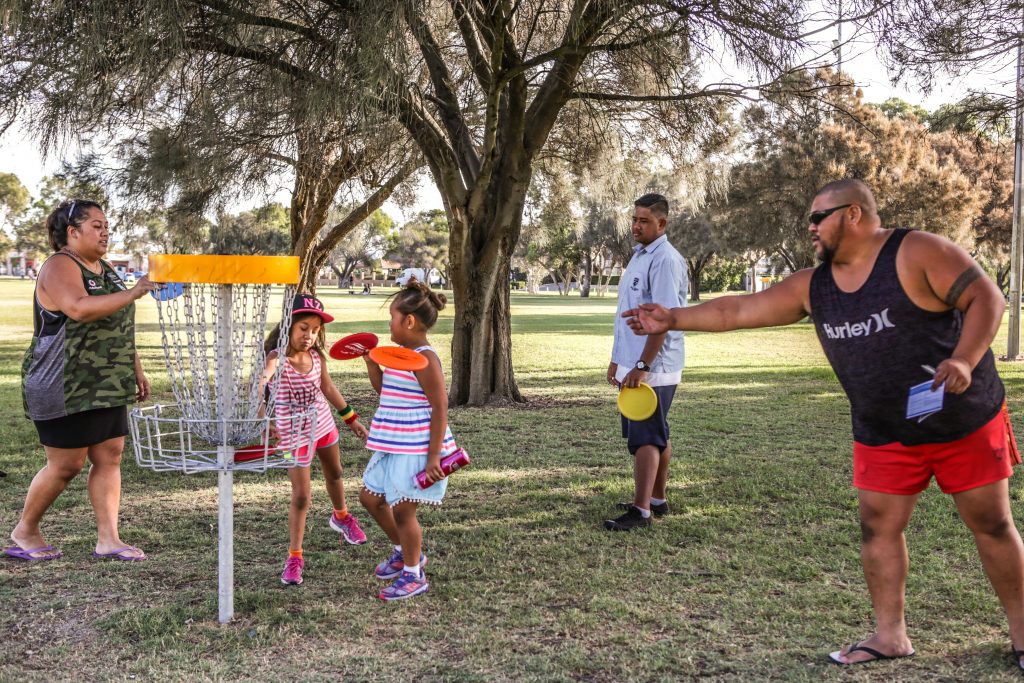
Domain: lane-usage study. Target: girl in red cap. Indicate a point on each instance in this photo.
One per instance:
(305, 382)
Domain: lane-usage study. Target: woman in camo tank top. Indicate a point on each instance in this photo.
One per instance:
(79, 376)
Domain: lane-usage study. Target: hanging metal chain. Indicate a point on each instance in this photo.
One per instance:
(213, 340)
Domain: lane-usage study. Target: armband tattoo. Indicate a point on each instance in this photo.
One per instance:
(962, 283)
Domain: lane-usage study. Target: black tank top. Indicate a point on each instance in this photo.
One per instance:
(877, 339)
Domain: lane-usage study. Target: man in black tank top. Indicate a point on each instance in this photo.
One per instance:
(906, 319)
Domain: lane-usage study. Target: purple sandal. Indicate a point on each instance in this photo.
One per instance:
(19, 553)
(119, 554)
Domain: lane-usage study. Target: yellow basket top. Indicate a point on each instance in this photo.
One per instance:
(224, 270)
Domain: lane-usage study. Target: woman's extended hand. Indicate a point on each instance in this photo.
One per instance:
(144, 286)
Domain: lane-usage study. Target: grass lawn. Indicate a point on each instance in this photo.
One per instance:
(754, 576)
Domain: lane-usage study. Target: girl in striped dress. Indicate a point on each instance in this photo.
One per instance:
(305, 381)
(409, 433)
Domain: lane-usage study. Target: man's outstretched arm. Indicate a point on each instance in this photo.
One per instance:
(785, 303)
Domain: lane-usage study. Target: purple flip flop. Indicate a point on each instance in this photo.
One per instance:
(119, 554)
(19, 553)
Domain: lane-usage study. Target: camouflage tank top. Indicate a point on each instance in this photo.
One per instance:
(73, 366)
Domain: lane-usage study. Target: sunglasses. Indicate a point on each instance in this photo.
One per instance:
(818, 216)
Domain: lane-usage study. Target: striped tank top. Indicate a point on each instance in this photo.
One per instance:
(297, 391)
(401, 424)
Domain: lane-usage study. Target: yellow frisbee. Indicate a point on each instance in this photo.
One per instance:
(639, 403)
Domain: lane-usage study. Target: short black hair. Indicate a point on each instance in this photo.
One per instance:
(655, 202)
(852, 191)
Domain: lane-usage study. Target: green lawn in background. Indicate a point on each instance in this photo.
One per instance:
(754, 576)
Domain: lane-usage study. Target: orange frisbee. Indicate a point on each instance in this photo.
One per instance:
(398, 358)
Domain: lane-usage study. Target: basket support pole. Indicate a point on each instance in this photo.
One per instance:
(225, 458)
(226, 540)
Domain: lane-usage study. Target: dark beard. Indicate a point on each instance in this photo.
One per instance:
(828, 254)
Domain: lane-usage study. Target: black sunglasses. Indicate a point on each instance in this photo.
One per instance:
(818, 216)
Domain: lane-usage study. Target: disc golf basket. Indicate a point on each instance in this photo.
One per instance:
(213, 321)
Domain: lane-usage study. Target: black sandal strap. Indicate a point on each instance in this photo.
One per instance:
(870, 650)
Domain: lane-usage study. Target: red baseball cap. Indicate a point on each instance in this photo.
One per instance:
(307, 303)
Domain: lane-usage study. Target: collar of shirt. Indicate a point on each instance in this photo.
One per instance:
(648, 248)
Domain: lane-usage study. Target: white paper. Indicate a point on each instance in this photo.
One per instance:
(924, 401)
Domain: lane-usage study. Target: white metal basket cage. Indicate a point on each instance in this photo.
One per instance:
(166, 440)
(213, 343)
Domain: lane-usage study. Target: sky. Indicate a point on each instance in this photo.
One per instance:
(22, 156)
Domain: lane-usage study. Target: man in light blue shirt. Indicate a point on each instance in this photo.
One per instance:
(656, 274)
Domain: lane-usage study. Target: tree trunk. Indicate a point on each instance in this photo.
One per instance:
(350, 267)
(588, 267)
(566, 284)
(1003, 279)
(338, 274)
(481, 262)
(694, 267)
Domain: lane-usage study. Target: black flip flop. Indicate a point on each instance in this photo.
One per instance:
(875, 654)
(1017, 654)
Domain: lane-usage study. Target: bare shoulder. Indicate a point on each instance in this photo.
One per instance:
(934, 271)
(923, 247)
(59, 267)
(433, 369)
(432, 356)
(59, 278)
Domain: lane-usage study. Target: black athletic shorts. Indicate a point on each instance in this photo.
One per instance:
(83, 429)
(654, 430)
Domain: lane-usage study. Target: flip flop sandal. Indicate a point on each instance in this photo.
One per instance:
(1017, 654)
(876, 656)
(19, 553)
(119, 554)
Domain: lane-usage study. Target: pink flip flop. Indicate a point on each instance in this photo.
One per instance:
(19, 553)
(119, 554)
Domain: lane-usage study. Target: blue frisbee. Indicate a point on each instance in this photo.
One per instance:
(168, 291)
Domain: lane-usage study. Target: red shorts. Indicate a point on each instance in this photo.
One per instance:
(328, 439)
(982, 457)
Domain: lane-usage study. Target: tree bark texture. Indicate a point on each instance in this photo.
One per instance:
(481, 263)
(585, 274)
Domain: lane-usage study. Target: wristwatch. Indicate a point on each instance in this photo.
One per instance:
(642, 366)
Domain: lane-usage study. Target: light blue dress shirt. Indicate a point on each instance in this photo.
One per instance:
(656, 274)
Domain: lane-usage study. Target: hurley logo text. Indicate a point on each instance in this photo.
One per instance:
(872, 325)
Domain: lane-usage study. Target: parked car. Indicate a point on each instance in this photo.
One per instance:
(128, 277)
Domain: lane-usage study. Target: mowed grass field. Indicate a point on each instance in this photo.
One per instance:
(754, 576)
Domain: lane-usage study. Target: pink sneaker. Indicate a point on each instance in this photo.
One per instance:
(348, 528)
(292, 575)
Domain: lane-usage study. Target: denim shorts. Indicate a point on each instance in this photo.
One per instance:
(654, 430)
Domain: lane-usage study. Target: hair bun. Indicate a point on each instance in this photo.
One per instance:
(439, 300)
